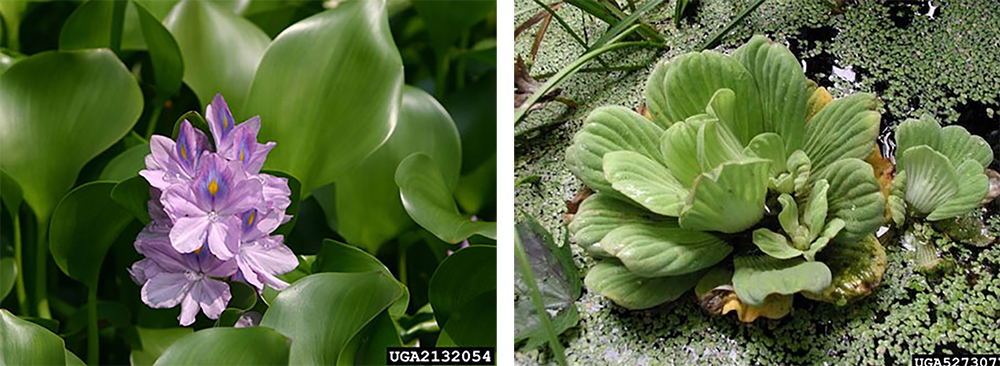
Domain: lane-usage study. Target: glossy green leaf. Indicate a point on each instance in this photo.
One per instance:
(683, 86)
(328, 91)
(610, 129)
(319, 331)
(460, 278)
(611, 279)
(8, 272)
(368, 345)
(973, 186)
(61, 109)
(88, 27)
(220, 51)
(653, 251)
(426, 197)
(8, 58)
(127, 164)
(451, 17)
(133, 195)
(769, 146)
(478, 189)
(168, 65)
(645, 181)
(600, 213)
(846, 128)
(755, 277)
(855, 197)
(72, 359)
(83, 227)
(10, 193)
(473, 324)
(774, 244)
(729, 199)
(368, 205)
(782, 85)
(229, 346)
(27, 343)
(857, 269)
(931, 179)
(339, 257)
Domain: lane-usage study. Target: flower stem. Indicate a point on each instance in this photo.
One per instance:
(41, 269)
(22, 292)
(154, 116)
(93, 343)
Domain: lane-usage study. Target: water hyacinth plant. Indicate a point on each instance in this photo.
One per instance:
(744, 179)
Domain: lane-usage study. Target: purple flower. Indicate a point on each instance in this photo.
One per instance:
(170, 162)
(261, 257)
(220, 120)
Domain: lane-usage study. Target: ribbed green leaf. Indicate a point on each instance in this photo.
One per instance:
(857, 268)
(755, 277)
(652, 251)
(645, 181)
(683, 86)
(601, 213)
(782, 86)
(816, 208)
(716, 145)
(611, 279)
(774, 244)
(729, 199)
(679, 147)
(896, 201)
(931, 179)
(915, 132)
(769, 146)
(832, 229)
(801, 171)
(959, 145)
(855, 197)
(846, 128)
(789, 215)
(610, 129)
(973, 186)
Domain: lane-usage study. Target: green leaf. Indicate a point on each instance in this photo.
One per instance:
(133, 195)
(328, 91)
(755, 277)
(653, 251)
(782, 85)
(774, 244)
(729, 199)
(716, 145)
(426, 197)
(220, 51)
(72, 359)
(460, 279)
(832, 229)
(611, 279)
(368, 345)
(368, 205)
(84, 225)
(10, 193)
(473, 324)
(973, 186)
(817, 208)
(683, 86)
(769, 146)
(88, 27)
(697, 145)
(244, 297)
(600, 213)
(931, 179)
(845, 128)
(610, 129)
(789, 215)
(26, 343)
(450, 17)
(645, 181)
(8, 270)
(896, 202)
(915, 132)
(319, 331)
(558, 282)
(855, 197)
(857, 269)
(62, 109)
(168, 65)
(229, 346)
(335, 256)
(801, 171)
(959, 145)
(127, 164)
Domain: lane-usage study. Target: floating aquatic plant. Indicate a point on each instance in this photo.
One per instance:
(745, 178)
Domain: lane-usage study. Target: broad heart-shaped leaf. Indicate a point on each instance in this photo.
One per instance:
(611, 279)
(973, 186)
(369, 211)
(608, 129)
(682, 87)
(426, 197)
(27, 343)
(460, 279)
(83, 227)
(931, 179)
(335, 256)
(601, 213)
(229, 346)
(770, 146)
(88, 27)
(61, 109)
(323, 311)
(154, 342)
(133, 194)
(11, 193)
(473, 324)
(368, 345)
(8, 270)
(857, 269)
(854, 196)
(328, 92)
(846, 128)
(558, 282)
(652, 251)
(645, 181)
(168, 65)
(729, 199)
(755, 277)
(782, 85)
(221, 51)
(127, 164)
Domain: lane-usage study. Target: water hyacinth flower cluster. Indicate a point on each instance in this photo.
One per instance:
(213, 214)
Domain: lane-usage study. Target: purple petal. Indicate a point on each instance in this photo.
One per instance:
(212, 266)
(189, 310)
(161, 148)
(267, 258)
(212, 295)
(189, 233)
(247, 274)
(190, 144)
(143, 270)
(244, 196)
(178, 201)
(165, 290)
(256, 161)
(257, 225)
(224, 237)
(220, 120)
(248, 319)
(276, 192)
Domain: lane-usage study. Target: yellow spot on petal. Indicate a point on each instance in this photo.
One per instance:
(213, 187)
(184, 153)
(225, 121)
(250, 221)
(198, 251)
(241, 155)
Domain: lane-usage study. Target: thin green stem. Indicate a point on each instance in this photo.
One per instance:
(93, 342)
(463, 42)
(22, 292)
(41, 269)
(722, 32)
(441, 79)
(596, 69)
(117, 21)
(154, 117)
(402, 262)
(536, 298)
